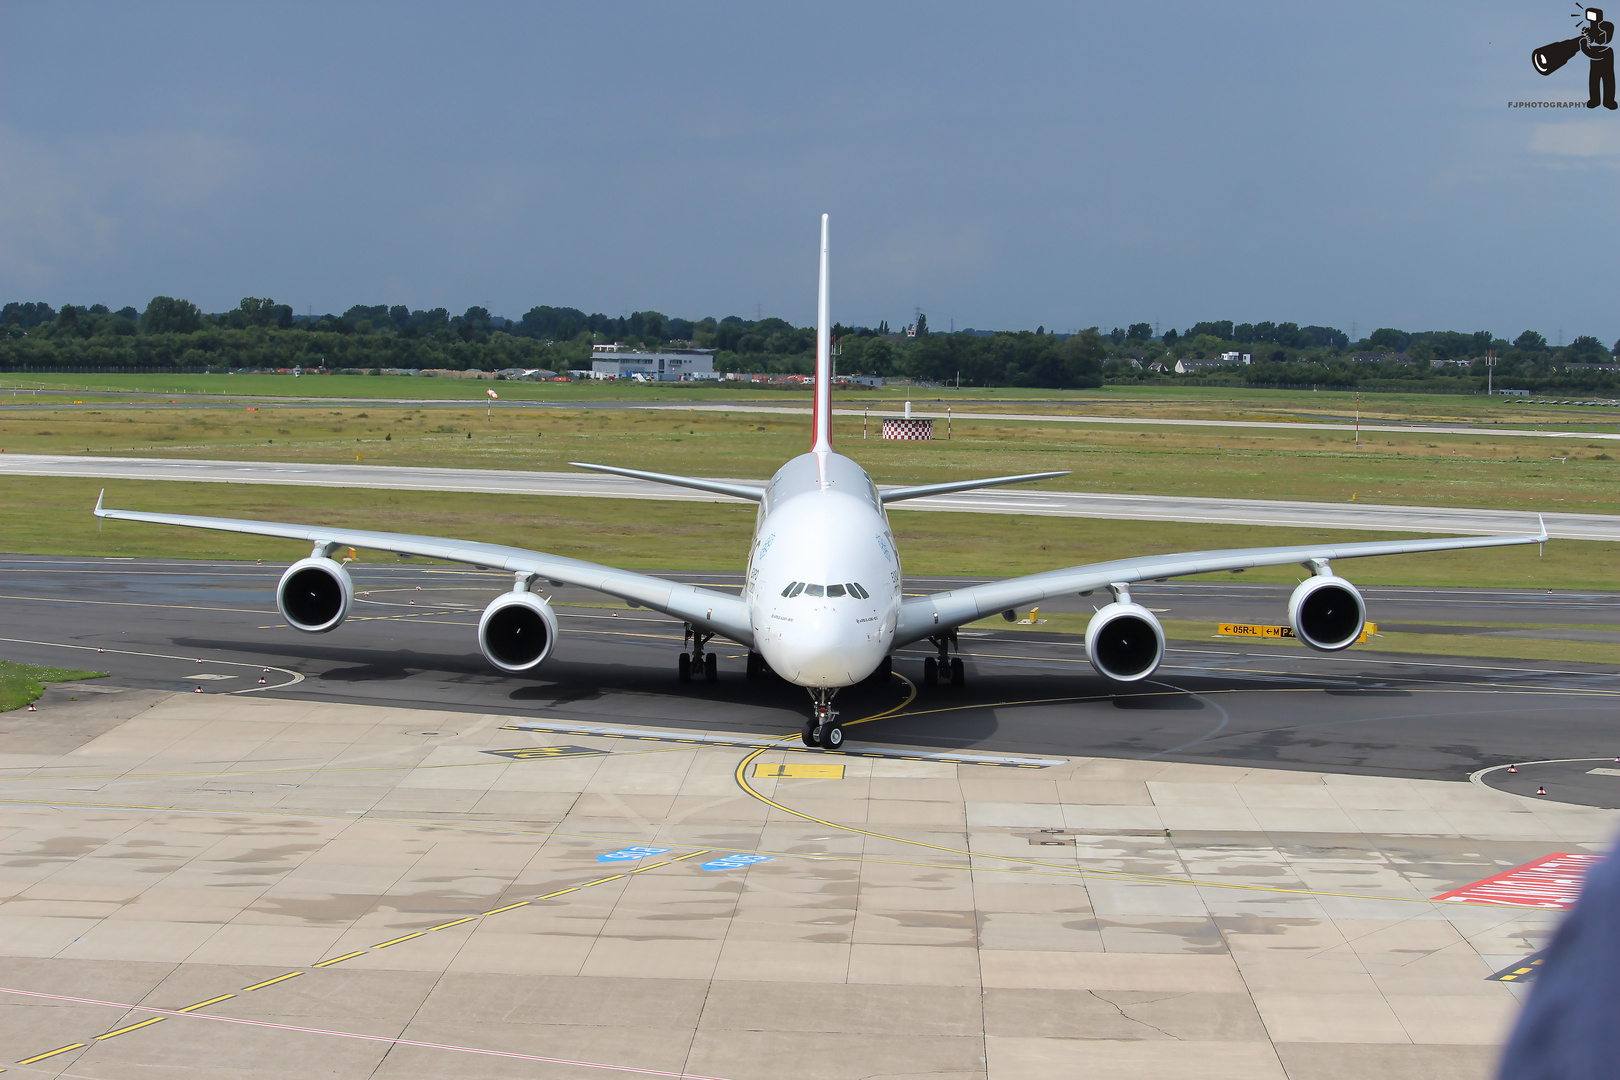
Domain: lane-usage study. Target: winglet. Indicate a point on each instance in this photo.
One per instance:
(103, 495)
(1542, 521)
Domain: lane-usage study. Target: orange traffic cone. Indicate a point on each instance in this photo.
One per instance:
(1513, 768)
(1541, 791)
(199, 689)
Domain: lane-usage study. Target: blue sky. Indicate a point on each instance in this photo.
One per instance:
(999, 166)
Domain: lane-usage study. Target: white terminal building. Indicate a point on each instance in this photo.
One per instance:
(671, 365)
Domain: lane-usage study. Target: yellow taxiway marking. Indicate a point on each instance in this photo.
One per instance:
(457, 922)
(800, 770)
(127, 1028)
(396, 941)
(52, 1053)
(205, 1004)
(520, 903)
(272, 982)
(340, 959)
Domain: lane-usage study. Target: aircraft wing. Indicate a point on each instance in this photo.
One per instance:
(707, 609)
(751, 492)
(922, 491)
(922, 616)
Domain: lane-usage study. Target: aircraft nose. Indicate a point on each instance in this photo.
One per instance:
(823, 652)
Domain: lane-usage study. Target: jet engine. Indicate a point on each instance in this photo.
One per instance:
(314, 595)
(517, 631)
(1327, 613)
(1124, 642)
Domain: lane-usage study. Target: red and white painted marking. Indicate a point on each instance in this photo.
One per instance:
(1553, 882)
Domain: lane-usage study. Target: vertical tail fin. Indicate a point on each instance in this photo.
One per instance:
(821, 435)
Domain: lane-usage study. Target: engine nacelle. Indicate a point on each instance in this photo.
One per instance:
(1124, 642)
(517, 631)
(1327, 613)
(315, 595)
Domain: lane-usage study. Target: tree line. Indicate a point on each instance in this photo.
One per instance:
(260, 333)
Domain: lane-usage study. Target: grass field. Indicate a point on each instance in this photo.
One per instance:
(1189, 402)
(46, 516)
(1412, 469)
(21, 683)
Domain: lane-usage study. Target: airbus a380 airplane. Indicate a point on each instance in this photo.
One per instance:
(822, 604)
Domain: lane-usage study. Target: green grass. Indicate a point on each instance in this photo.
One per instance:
(21, 683)
(1158, 401)
(1413, 469)
(52, 516)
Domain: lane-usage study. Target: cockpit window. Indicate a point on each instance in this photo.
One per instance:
(848, 588)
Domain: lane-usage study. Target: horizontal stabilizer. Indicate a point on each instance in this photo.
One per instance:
(924, 490)
(719, 487)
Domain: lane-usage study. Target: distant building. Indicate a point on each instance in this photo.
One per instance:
(1237, 358)
(1577, 367)
(672, 365)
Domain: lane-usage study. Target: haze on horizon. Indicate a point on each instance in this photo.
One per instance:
(997, 167)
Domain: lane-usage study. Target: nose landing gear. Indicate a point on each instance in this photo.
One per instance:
(699, 660)
(823, 728)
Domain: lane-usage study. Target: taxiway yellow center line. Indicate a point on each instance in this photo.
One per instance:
(396, 941)
(205, 1004)
(520, 903)
(131, 1027)
(340, 959)
(52, 1053)
(448, 925)
(272, 982)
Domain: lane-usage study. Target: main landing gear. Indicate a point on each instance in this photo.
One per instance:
(945, 667)
(699, 660)
(823, 728)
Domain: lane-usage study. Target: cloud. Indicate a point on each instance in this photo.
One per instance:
(1584, 139)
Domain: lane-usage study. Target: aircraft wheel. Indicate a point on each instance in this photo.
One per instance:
(930, 672)
(684, 667)
(711, 668)
(958, 672)
(832, 736)
(809, 735)
(754, 664)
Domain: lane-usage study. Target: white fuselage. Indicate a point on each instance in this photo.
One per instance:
(823, 584)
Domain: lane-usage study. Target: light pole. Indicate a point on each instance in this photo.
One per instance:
(1490, 372)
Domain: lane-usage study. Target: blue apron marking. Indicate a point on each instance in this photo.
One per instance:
(631, 854)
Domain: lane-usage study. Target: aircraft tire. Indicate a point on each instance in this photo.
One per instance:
(711, 668)
(958, 672)
(930, 672)
(684, 667)
(832, 736)
(809, 734)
